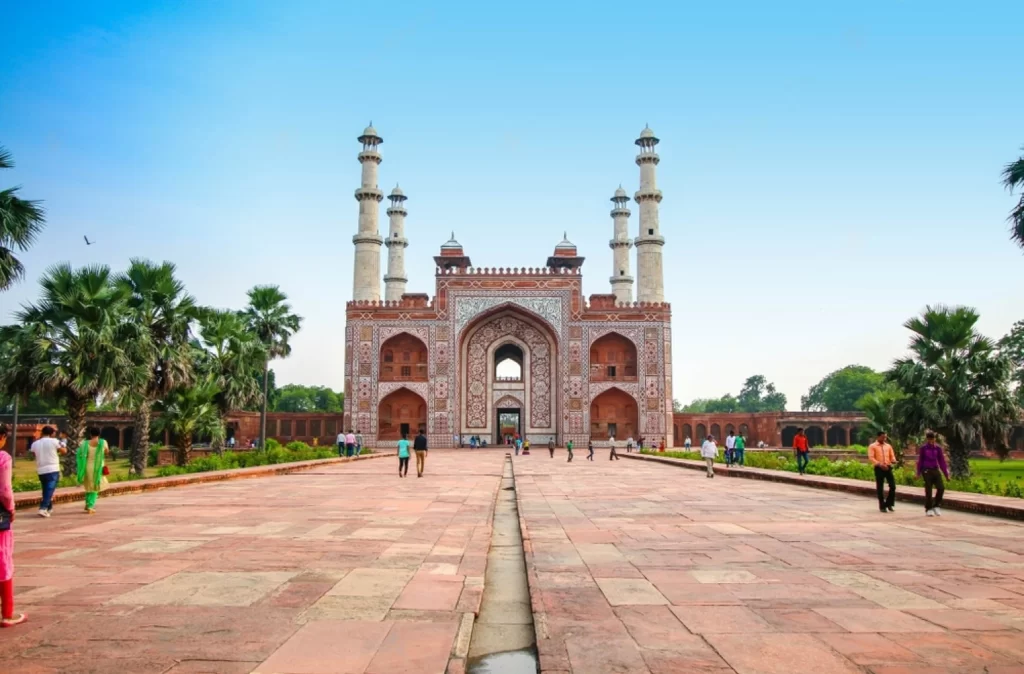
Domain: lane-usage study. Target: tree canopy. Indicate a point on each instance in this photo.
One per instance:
(839, 391)
(298, 398)
(757, 395)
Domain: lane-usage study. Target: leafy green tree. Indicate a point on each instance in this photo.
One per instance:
(1012, 345)
(270, 318)
(230, 354)
(298, 398)
(956, 383)
(759, 395)
(1013, 178)
(163, 312)
(20, 223)
(676, 405)
(839, 391)
(190, 411)
(76, 349)
(879, 408)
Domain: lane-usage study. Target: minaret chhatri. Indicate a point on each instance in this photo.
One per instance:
(366, 270)
(394, 282)
(650, 278)
(622, 282)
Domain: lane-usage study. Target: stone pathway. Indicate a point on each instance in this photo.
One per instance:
(642, 568)
(634, 568)
(344, 569)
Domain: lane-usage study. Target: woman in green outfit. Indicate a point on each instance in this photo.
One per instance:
(91, 454)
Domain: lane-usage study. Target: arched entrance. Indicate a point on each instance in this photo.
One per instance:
(112, 436)
(702, 434)
(836, 437)
(508, 352)
(815, 436)
(687, 433)
(788, 433)
(716, 432)
(614, 414)
(401, 412)
(613, 358)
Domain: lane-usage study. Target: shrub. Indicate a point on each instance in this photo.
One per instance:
(152, 457)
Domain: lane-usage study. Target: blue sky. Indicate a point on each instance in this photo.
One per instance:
(828, 168)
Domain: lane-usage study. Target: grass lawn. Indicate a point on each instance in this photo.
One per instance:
(1001, 472)
(25, 469)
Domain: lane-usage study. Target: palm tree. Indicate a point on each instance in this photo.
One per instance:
(956, 383)
(879, 408)
(1013, 178)
(232, 353)
(161, 309)
(269, 318)
(20, 222)
(188, 411)
(78, 348)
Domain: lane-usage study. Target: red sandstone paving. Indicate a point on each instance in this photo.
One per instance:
(267, 574)
(737, 562)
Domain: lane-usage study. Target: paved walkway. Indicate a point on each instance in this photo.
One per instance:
(344, 569)
(635, 568)
(638, 568)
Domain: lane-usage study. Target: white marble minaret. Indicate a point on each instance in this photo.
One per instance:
(394, 282)
(366, 270)
(622, 282)
(650, 275)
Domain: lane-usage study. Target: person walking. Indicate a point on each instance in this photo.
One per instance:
(526, 447)
(930, 461)
(350, 443)
(802, 450)
(518, 445)
(91, 457)
(359, 443)
(403, 456)
(551, 447)
(739, 450)
(883, 458)
(568, 448)
(341, 443)
(590, 450)
(687, 443)
(420, 447)
(611, 445)
(629, 445)
(47, 450)
(8, 618)
(709, 452)
(730, 446)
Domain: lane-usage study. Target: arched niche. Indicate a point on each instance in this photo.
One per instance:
(401, 411)
(613, 358)
(403, 358)
(614, 413)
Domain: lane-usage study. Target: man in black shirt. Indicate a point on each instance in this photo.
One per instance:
(419, 445)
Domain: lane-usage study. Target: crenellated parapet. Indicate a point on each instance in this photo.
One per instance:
(509, 271)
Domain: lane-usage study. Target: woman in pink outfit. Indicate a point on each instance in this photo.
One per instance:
(7, 615)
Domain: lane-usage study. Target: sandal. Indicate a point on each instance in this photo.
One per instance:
(16, 620)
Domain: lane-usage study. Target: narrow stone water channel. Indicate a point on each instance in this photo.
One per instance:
(504, 641)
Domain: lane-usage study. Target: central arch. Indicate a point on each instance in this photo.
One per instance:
(504, 333)
(614, 414)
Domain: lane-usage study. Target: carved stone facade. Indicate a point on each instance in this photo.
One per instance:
(539, 311)
(536, 318)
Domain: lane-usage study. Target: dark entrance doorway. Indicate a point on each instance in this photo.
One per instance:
(404, 428)
(509, 423)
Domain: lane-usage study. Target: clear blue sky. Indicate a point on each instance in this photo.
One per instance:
(827, 170)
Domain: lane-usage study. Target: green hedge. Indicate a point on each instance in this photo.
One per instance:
(856, 470)
(274, 454)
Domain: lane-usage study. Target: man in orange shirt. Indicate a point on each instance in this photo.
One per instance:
(883, 459)
(802, 452)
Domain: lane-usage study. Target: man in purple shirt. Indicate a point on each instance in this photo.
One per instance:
(930, 460)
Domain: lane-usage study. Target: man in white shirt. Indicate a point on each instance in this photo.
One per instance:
(47, 450)
(341, 443)
(730, 446)
(611, 445)
(709, 452)
(629, 445)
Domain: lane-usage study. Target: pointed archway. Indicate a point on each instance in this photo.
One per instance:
(614, 414)
(401, 412)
